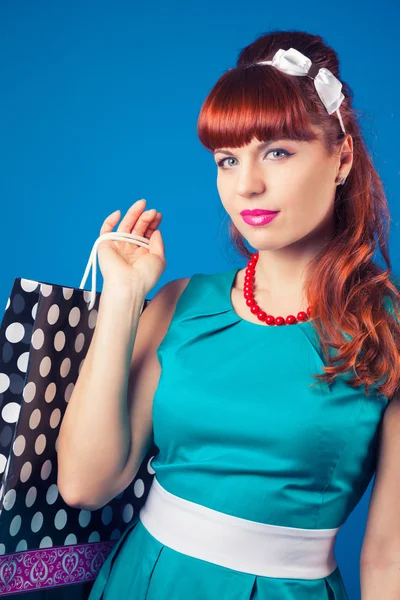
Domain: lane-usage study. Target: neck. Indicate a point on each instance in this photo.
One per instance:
(281, 274)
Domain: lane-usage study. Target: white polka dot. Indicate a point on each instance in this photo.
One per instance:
(37, 339)
(92, 319)
(68, 391)
(46, 470)
(86, 295)
(65, 367)
(80, 366)
(4, 382)
(84, 518)
(28, 285)
(15, 332)
(26, 471)
(60, 519)
(94, 537)
(40, 444)
(37, 521)
(74, 316)
(22, 362)
(35, 418)
(46, 289)
(70, 539)
(10, 412)
(55, 418)
(127, 513)
(46, 542)
(9, 499)
(2, 549)
(3, 462)
(31, 496)
(67, 292)
(79, 342)
(19, 445)
(115, 534)
(21, 546)
(53, 314)
(59, 341)
(34, 311)
(138, 488)
(29, 391)
(149, 467)
(52, 494)
(45, 366)
(50, 392)
(15, 525)
(106, 515)
(8, 304)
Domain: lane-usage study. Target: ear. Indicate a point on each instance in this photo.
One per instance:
(345, 157)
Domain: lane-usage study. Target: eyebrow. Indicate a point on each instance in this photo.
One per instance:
(259, 147)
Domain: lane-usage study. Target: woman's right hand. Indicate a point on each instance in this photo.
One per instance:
(122, 262)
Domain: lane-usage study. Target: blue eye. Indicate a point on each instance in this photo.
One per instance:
(286, 153)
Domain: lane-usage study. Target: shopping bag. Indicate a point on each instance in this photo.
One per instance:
(44, 335)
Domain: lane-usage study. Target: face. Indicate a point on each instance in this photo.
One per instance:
(295, 178)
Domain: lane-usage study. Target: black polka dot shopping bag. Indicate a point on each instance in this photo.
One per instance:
(45, 544)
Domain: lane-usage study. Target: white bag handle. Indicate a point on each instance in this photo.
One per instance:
(131, 238)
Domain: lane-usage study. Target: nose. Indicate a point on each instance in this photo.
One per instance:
(250, 181)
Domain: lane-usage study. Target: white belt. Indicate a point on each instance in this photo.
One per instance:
(236, 543)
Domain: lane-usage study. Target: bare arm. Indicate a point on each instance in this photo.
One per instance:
(380, 553)
(107, 427)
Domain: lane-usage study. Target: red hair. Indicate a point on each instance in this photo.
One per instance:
(353, 299)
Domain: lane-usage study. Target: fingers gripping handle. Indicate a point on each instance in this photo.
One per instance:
(131, 238)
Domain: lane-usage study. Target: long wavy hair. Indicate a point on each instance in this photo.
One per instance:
(352, 298)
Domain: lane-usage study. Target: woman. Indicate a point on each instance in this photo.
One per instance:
(258, 468)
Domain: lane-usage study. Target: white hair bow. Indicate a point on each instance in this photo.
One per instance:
(327, 85)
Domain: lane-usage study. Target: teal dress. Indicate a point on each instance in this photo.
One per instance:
(240, 431)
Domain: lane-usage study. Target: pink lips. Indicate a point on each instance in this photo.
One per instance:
(258, 211)
(258, 216)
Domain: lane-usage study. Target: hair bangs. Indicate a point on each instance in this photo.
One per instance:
(255, 102)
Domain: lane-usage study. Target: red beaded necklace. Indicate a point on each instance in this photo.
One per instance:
(248, 293)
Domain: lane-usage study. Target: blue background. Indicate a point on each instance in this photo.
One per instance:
(99, 104)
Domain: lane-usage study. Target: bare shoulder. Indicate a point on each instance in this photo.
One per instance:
(155, 319)
(392, 411)
(160, 309)
(170, 291)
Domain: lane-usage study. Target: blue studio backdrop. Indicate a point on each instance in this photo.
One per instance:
(99, 104)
